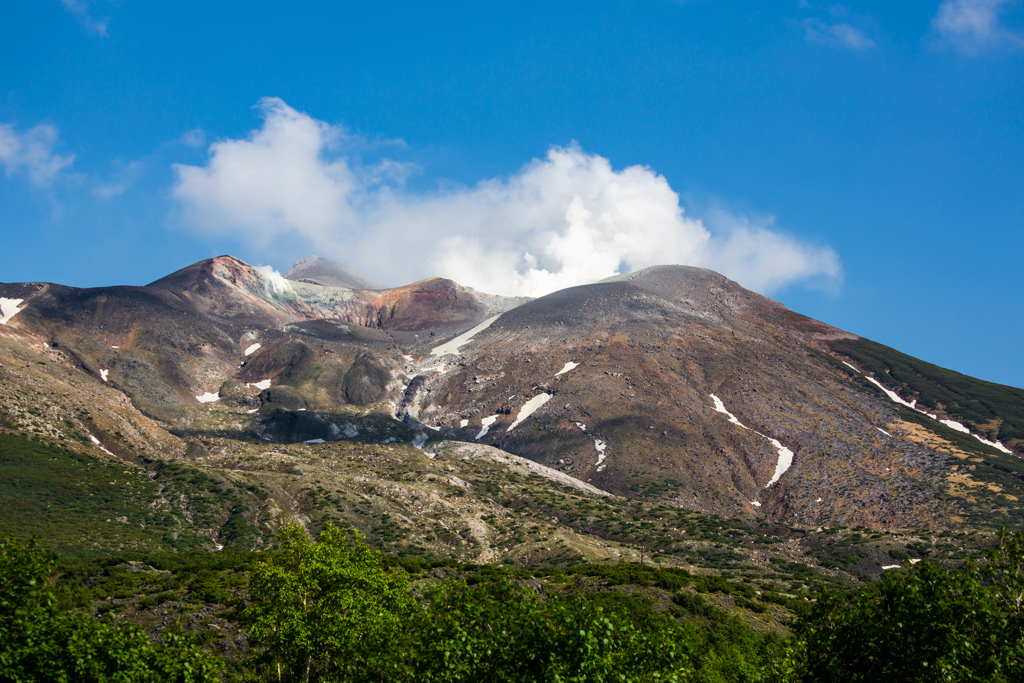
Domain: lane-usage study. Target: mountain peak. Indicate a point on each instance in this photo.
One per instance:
(318, 270)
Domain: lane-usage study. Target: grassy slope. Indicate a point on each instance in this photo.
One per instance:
(993, 410)
(85, 505)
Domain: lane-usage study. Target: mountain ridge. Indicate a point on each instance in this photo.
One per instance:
(672, 384)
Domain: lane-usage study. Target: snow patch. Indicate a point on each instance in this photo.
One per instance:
(994, 444)
(818, 500)
(315, 441)
(600, 446)
(914, 561)
(884, 432)
(720, 407)
(893, 396)
(755, 503)
(262, 385)
(486, 422)
(582, 426)
(103, 374)
(9, 309)
(254, 410)
(253, 349)
(850, 366)
(96, 442)
(566, 368)
(952, 424)
(784, 462)
(452, 347)
(208, 397)
(463, 424)
(892, 566)
(528, 409)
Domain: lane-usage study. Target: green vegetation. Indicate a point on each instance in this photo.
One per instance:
(925, 625)
(993, 410)
(85, 505)
(335, 610)
(40, 643)
(318, 608)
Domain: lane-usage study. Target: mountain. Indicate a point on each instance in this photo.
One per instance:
(317, 270)
(678, 384)
(672, 389)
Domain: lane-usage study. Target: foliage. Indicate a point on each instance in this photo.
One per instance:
(317, 606)
(925, 624)
(38, 643)
(500, 631)
(330, 611)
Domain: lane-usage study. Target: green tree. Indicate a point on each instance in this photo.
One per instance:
(321, 609)
(37, 643)
(926, 624)
(499, 631)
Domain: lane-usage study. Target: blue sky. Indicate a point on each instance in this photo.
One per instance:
(863, 163)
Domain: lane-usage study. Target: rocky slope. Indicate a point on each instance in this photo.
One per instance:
(672, 385)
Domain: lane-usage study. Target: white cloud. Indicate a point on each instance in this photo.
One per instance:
(79, 9)
(31, 152)
(973, 26)
(567, 219)
(836, 35)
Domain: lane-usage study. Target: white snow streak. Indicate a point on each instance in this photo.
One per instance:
(884, 432)
(103, 374)
(893, 396)
(253, 349)
(952, 424)
(784, 463)
(568, 366)
(96, 442)
(720, 407)
(9, 309)
(486, 422)
(600, 446)
(528, 409)
(960, 428)
(315, 441)
(892, 566)
(785, 460)
(208, 397)
(452, 347)
(262, 385)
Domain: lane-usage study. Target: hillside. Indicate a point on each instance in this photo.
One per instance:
(669, 412)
